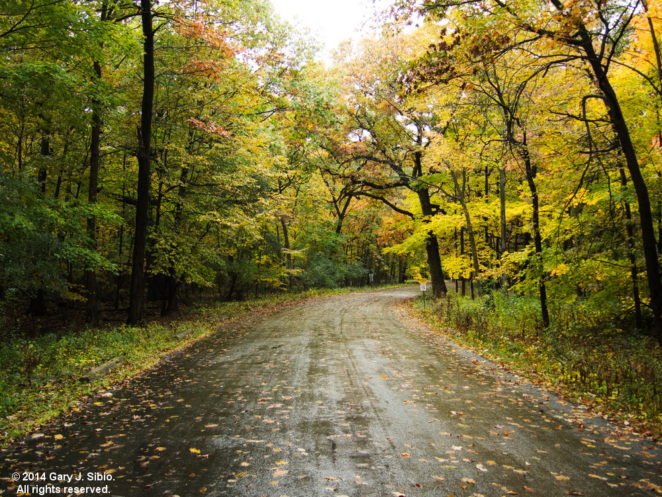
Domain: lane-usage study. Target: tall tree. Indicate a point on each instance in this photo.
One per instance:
(594, 33)
(137, 289)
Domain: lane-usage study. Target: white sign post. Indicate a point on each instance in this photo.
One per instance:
(424, 289)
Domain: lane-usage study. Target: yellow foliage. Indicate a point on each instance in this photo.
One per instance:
(560, 270)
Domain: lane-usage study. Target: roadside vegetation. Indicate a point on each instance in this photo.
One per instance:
(583, 357)
(44, 376)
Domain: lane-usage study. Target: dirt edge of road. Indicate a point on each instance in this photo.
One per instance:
(123, 373)
(565, 398)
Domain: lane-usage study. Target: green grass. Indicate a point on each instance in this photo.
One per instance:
(589, 360)
(41, 377)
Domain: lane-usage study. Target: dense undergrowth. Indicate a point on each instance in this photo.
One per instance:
(43, 376)
(585, 358)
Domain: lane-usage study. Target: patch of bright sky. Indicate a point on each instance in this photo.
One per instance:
(330, 22)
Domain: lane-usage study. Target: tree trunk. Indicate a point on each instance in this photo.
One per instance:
(629, 235)
(288, 254)
(342, 213)
(46, 152)
(137, 289)
(63, 166)
(91, 283)
(460, 193)
(656, 45)
(531, 171)
(434, 263)
(503, 241)
(19, 146)
(643, 199)
(432, 248)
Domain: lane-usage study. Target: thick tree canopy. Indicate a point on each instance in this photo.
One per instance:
(154, 151)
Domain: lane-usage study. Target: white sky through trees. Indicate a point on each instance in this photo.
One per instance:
(330, 22)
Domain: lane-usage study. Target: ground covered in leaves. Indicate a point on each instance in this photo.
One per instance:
(342, 396)
(47, 373)
(615, 372)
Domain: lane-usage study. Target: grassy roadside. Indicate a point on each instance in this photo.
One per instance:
(617, 375)
(43, 377)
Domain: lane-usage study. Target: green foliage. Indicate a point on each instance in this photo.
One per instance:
(323, 271)
(39, 238)
(583, 352)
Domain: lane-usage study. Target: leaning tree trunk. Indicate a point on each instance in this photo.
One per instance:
(621, 130)
(137, 289)
(460, 194)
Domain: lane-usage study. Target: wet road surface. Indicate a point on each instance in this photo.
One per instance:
(339, 396)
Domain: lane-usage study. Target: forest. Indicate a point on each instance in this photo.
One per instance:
(156, 153)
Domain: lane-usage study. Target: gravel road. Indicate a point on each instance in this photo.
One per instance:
(337, 396)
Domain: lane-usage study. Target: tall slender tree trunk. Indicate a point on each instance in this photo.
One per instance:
(531, 172)
(629, 235)
(621, 130)
(288, 253)
(46, 152)
(658, 66)
(137, 289)
(656, 45)
(460, 193)
(91, 283)
(503, 240)
(19, 145)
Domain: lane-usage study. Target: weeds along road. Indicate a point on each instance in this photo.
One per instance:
(339, 396)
